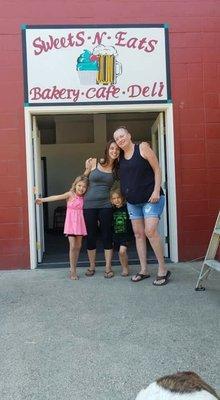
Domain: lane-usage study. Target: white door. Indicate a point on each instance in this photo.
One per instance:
(158, 146)
(38, 191)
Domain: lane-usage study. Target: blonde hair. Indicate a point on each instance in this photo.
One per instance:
(118, 192)
(81, 178)
(122, 127)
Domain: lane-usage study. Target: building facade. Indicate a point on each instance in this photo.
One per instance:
(190, 120)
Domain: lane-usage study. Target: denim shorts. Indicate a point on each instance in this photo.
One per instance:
(146, 210)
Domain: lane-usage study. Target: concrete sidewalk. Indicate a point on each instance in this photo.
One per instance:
(103, 339)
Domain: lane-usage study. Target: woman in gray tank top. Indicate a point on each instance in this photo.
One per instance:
(97, 206)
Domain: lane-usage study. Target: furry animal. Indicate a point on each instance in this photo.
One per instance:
(185, 385)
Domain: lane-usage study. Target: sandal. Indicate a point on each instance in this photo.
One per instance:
(164, 278)
(109, 274)
(139, 277)
(90, 272)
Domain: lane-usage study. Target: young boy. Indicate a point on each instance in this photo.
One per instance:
(121, 229)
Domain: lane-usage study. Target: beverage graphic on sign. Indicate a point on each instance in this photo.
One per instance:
(98, 67)
(109, 67)
(95, 65)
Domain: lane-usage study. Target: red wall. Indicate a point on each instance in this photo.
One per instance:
(195, 77)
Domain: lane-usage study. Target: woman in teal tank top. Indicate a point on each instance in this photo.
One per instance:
(97, 206)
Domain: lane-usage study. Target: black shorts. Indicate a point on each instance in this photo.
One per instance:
(118, 243)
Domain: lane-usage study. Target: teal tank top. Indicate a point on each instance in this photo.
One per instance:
(98, 193)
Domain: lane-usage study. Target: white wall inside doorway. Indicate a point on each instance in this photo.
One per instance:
(65, 159)
(78, 137)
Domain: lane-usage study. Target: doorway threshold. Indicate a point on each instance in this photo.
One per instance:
(65, 264)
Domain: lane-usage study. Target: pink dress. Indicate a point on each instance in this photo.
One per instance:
(74, 222)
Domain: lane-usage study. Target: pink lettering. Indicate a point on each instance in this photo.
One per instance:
(151, 46)
(80, 40)
(132, 43)
(134, 90)
(92, 91)
(57, 43)
(103, 92)
(160, 91)
(135, 43)
(120, 37)
(145, 91)
(155, 91)
(36, 93)
(141, 43)
(54, 93)
(63, 42)
(63, 93)
(37, 43)
(98, 37)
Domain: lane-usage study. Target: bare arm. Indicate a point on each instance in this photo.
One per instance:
(90, 164)
(150, 156)
(57, 197)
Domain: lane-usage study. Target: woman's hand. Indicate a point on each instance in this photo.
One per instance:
(88, 164)
(155, 197)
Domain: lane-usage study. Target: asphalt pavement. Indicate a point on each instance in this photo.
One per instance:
(103, 339)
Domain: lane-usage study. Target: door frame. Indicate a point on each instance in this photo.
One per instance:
(96, 109)
(158, 130)
(38, 189)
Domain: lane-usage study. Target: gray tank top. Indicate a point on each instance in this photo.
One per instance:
(98, 193)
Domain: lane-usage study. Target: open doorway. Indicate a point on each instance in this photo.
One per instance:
(61, 144)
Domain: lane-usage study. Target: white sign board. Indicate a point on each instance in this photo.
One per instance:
(70, 65)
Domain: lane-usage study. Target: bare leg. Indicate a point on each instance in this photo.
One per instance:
(151, 225)
(108, 260)
(75, 243)
(92, 259)
(123, 257)
(141, 246)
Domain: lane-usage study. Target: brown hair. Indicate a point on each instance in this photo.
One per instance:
(81, 178)
(185, 382)
(105, 159)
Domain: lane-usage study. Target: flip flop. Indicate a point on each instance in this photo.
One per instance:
(108, 274)
(90, 272)
(139, 277)
(166, 279)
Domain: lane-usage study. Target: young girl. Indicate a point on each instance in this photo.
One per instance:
(74, 226)
(121, 228)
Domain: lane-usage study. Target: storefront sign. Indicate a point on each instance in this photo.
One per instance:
(69, 65)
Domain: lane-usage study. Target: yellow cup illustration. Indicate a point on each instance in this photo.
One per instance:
(109, 69)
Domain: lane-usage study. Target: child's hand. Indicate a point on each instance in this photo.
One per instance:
(39, 201)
